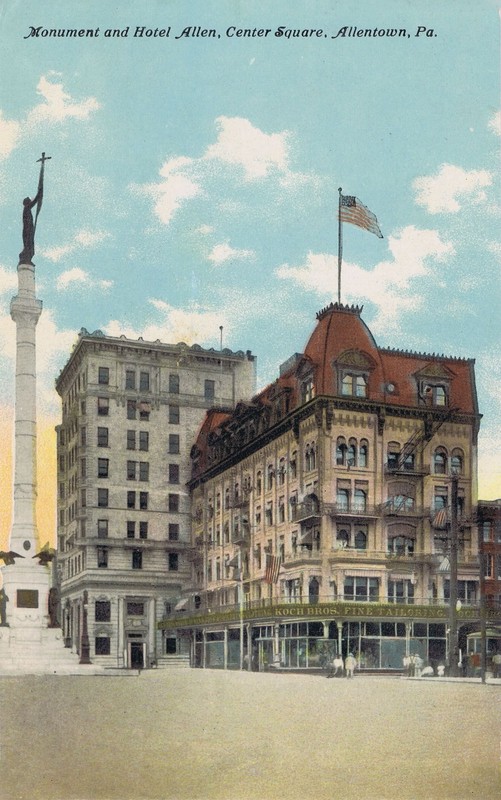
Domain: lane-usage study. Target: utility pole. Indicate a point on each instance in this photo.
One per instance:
(483, 609)
(453, 589)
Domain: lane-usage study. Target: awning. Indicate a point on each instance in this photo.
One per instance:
(181, 604)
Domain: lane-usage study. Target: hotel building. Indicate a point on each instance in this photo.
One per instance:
(321, 510)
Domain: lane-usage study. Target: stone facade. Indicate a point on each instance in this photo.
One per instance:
(130, 413)
(330, 492)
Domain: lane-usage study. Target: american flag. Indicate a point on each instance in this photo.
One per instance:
(352, 210)
(440, 519)
(273, 564)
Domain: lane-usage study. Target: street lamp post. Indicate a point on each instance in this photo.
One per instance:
(84, 642)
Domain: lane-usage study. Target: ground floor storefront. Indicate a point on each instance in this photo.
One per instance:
(309, 636)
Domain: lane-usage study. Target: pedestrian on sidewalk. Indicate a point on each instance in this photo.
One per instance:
(350, 665)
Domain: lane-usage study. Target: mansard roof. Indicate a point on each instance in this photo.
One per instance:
(342, 343)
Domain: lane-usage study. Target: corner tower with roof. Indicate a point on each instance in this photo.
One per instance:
(335, 473)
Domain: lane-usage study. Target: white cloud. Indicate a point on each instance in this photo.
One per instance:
(192, 325)
(9, 134)
(82, 240)
(494, 123)
(240, 143)
(449, 187)
(58, 105)
(223, 252)
(391, 285)
(175, 188)
(78, 277)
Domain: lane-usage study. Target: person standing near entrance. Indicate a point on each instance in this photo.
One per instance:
(349, 665)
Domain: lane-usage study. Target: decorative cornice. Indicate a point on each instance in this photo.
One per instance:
(357, 310)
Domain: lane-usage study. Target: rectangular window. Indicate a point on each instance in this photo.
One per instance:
(173, 443)
(102, 645)
(83, 498)
(173, 502)
(144, 411)
(143, 530)
(102, 611)
(143, 501)
(103, 467)
(103, 375)
(102, 528)
(144, 381)
(135, 609)
(131, 529)
(131, 499)
(174, 415)
(173, 562)
(173, 384)
(131, 440)
(102, 498)
(144, 440)
(102, 557)
(209, 390)
(131, 470)
(173, 473)
(137, 559)
(103, 406)
(83, 468)
(130, 379)
(144, 471)
(102, 437)
(83, 436)
(173, 531)
(131, 409)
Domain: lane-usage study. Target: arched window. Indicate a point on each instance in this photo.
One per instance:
(343, 537)
(259, 482)
(360, 500)
(227, 498)
(341, 451)
(269, 476)
(457, 462)
(352, 453)
(363, 454)
(293, 464)
(360, 540)
(393, 453)
(313, 590)
(440, 461)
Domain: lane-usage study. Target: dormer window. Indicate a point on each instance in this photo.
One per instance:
(435, 394)
(353, 385)
(307, 390)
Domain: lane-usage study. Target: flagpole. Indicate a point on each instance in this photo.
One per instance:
(340, 249)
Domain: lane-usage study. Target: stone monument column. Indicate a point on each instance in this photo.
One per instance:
(26, 579)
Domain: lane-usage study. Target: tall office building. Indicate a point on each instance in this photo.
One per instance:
(325, 509)
(130, 413)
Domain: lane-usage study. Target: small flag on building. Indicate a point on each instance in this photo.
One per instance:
(273, 564)
(439, 521)
(353, 211)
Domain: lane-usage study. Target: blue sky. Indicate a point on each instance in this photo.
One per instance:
(194, 180)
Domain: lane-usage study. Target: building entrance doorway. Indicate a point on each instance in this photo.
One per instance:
(137, 655)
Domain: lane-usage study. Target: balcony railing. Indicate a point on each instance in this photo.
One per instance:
(304, 511)
(353, 509)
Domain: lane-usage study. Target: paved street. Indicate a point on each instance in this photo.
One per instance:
(202, 735)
